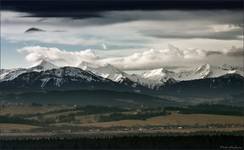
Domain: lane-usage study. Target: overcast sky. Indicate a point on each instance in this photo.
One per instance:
(128, 38)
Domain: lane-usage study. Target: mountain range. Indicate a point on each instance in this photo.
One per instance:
(188, 84)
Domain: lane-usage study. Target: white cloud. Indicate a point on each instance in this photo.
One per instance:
(36, 53)
(140, 60)
(224, 27)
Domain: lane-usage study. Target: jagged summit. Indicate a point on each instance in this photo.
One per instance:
(162, 75)
(157, 72)
(107, 71)
(159, 76)
(112, 73)
(43, 65)
(87, 66)
(203, 71)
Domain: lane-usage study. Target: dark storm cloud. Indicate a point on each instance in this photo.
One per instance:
(111, 17)
(93, 8)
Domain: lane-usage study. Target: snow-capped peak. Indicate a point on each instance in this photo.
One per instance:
(156, 72)
(209, 71)
(162, 75)
(112, 73)
(203, 70)
(11, 74)
(158, 77)
(87, 66)
(106, 71)
(203, 67)
(43, 65)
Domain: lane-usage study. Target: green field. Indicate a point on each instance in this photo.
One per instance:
(55, 118)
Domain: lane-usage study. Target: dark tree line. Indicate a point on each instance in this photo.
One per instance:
(126, 142)
(210, 109)
(122, 116)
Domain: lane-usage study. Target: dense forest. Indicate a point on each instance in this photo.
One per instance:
(209, 109)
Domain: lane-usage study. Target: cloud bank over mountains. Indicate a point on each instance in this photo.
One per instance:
(127, 38)
(121, 27)
(148, 59)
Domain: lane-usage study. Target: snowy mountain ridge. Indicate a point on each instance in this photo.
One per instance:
(10, 74)
(149, 79)
(107, 71)
(160, 76)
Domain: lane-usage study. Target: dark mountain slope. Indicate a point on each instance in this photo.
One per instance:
(221, 86)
